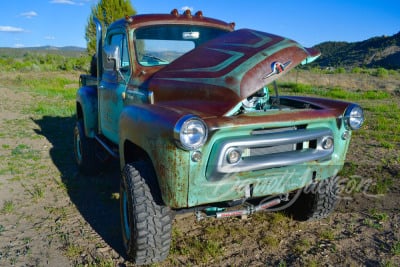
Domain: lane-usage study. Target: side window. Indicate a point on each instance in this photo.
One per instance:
(120, 41)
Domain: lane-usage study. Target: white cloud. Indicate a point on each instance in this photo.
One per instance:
(70, 2)
(184, 8)
(49, 37)
(29, 14)
(65, 2)
(19, 45)
(10, 29)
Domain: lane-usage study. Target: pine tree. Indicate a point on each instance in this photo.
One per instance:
(106, 11)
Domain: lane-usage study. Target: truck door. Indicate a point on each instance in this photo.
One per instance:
(112, 87)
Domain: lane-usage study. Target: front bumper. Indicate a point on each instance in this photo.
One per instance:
(274, 162)
(271, 149)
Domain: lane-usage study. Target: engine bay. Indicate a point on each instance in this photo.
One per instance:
(263, 101)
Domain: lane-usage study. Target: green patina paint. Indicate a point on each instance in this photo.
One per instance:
(264, 182)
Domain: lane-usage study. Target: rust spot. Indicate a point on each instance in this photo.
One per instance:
(229, 80)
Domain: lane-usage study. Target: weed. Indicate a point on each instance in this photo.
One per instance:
(37, 192)
(216, 232)
(375, 94)
(270, 241)
(327, 234)
(297, 87)
(379, 216)
(13, 261)
(396, 248)
(5, 146)
(312, 263)
(23, 151)
(27, 240)
(376, 219)
(73, 251)
(387, 145)
(8, 207)
(388, 264)
(302, 245)
(340, 70)
(2, 229)
(349, 169)
(382, 185)
(199, 249)
(279, 218)
(371, 223)
(381, 72)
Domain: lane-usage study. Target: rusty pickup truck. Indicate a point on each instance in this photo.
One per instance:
(190, 108)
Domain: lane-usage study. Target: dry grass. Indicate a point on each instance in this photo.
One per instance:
(349, 81)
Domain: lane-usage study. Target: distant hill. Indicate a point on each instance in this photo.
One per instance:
(375, 52)
(48, 47)
(69, 51)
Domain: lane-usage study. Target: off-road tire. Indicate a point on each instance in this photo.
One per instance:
(85, 151)
(146, 222)
(316, 201)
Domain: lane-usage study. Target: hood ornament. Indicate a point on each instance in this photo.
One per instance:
(276, 68)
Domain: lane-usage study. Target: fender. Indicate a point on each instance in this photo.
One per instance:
(151, 127)
(86, 97)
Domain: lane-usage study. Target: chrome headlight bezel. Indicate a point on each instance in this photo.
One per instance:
(353, 117)
(190, 132)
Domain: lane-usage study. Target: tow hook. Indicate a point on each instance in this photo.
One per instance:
(247, 210)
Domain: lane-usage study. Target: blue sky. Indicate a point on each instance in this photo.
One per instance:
(26, 23)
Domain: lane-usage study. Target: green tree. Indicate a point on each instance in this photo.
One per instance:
(106, 11)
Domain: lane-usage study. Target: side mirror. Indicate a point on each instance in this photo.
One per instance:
(112, 58)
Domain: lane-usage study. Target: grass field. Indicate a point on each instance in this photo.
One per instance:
(51, 215)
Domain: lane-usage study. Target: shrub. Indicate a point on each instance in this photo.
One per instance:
(340, 70)
(381, 72)
(356, 70)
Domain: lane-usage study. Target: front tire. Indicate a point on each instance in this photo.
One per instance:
(146, 222)
(85, 151)
(316, 201)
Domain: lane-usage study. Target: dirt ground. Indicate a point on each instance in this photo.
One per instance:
(50, 215)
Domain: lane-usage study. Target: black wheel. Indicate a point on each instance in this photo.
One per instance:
(85, 151)
(146, 222)
(316, 201)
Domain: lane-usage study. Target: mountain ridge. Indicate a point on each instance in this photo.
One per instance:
(375, 52)
(383, 51)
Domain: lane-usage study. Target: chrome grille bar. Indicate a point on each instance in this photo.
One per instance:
(279, 151)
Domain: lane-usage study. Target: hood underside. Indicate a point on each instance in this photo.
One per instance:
(229, 68)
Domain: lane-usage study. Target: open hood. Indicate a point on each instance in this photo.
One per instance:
(229, 68)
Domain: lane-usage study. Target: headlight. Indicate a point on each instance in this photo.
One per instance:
(353, 117)
(190, 132)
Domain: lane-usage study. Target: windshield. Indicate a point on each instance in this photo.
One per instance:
(162, 44)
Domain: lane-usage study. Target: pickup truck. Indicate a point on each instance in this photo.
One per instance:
(190, 108)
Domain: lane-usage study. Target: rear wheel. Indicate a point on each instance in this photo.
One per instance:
(85, 151)
(316, 201)
(146, 222)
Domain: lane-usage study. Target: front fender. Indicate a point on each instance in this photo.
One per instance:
(86, 99)
(150, 127)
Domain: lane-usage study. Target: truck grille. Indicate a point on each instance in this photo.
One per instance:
(270, 148)
(259, 151)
